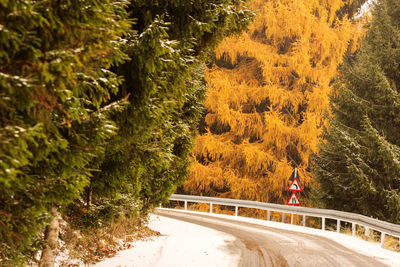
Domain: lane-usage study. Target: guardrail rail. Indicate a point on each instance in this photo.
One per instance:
(385, 228)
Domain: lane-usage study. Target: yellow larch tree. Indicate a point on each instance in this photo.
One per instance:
(267, 99)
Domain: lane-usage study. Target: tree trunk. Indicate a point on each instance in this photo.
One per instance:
(89, 195)
(51, 236)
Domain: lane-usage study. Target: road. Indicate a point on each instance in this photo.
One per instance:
(266, 246)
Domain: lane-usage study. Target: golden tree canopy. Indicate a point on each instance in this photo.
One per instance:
(267, 99)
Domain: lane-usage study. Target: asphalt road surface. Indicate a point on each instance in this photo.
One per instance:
(266, 246)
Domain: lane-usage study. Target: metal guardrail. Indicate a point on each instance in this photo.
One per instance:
(368, 223)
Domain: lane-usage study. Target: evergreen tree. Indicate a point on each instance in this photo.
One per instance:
(60, 104)
(358, 168)
(148, 158)
(53, 80)
(268, 93)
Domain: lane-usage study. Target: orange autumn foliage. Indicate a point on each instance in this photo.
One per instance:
(267, 99)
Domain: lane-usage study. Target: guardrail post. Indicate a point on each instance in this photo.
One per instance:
(304, 220)
(291, 218)
(236, 210)
(323, 223)
(268, 215)
(283, 217)
(210, 207)
(383, 236)
(338, 226)
(185, 205)
(353, 229)
(366, 233)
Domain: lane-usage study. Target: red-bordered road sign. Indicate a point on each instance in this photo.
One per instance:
(295, 186)
(293, 200)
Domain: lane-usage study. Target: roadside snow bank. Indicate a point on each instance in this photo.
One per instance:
(185, 244)
(180, 244)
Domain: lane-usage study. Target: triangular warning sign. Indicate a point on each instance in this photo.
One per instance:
(295, 186)
(293, 200)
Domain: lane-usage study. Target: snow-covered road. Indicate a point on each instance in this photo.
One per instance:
(238, 241)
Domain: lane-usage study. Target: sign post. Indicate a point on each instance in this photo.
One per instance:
(294, 187)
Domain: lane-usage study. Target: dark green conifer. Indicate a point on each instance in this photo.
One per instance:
(53, 80)
(358, 168)
(148, 158)
(62, 98)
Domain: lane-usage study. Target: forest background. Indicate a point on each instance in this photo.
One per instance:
(310, 85)
(100, 104)
(268, 99)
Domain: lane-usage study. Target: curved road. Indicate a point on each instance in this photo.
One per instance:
(266, 246)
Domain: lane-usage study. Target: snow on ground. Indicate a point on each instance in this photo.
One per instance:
(364, 247)
(181, 244)
(175, 246)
